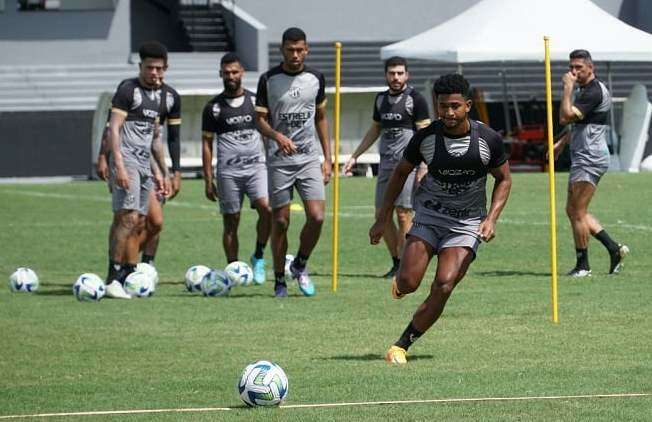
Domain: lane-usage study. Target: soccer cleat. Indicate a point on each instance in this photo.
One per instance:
(396, 355)
(258, 266)
(395, 293)
(116, 291)
(280, 290)
(391, 273)
(617, 259)
(579, 273)
(301, 276)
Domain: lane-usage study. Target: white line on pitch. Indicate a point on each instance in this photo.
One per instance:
(344, 404)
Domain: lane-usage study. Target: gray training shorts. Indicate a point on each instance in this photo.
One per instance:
(440, 237)
(404, 199)
(584, 173)
(307, 178)
(135, 198)
(231, 190)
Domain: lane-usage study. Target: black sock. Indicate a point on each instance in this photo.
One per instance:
(409, 336)
(126, 270)
(228, 261)
(260, 249)
(582, 259)
(396, 261)
(279, 278)
(607, 241)
(114, 271)
(147, 259)
(300, 261)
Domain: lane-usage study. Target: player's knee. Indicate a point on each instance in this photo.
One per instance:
(444, 284)
(231, 222)
(316, 218)
(128, 220)
(281, 224)
(405, 282)
(154, 225)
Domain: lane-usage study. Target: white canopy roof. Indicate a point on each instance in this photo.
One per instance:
(513, 30)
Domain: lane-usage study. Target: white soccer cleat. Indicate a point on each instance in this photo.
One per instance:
(116, 291)
(579, 273)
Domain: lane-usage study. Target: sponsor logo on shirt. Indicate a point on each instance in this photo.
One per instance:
(295, 120)
(456, 172)
(295, 92)
(243, 161)
(437, 207)
(391, 116)
(236, 120)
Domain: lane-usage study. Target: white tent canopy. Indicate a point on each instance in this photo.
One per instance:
(513, 30)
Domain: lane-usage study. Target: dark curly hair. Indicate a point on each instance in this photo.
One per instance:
(452, 83)
(153, 50)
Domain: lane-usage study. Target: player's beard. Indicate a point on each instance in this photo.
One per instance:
(232, 86)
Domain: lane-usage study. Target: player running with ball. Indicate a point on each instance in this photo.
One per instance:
(450, 203)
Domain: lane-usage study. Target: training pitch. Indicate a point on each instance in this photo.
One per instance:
(495, 355)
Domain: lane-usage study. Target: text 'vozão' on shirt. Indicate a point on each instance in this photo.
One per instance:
(239, 144)
(143, 109)
(291, 101)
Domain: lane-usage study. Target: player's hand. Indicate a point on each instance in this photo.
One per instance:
(376, 231)
(569, 78)
(122, 178)
(348, 167)
(210, 190)
(167, 187)
(487, 230)
(286, 145)
(175, 184)
(102, 167)
(326, 170)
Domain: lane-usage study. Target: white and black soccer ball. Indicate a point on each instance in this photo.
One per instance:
(216, 283)
(89, 287)
(23, 280)
(263, 383)
(239, 273)
(194, 276)
(148, 269)
(288, 261)
(139, 284)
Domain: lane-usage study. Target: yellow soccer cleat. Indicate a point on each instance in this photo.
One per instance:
(396, 355)
(395, 293)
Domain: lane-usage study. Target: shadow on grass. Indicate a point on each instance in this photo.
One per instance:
(55, 292)
(508, 273)
(374, 356)
(352, 275)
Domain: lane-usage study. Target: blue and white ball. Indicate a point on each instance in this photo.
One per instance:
(23, 280)
(216, 283)
(288, 260)
(89, 287)
(194, 276)
(239, 273)
(139, 284)
(263, 383)
(148, 269)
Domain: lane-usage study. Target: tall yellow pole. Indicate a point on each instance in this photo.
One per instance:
(336, 166)
(551, 181)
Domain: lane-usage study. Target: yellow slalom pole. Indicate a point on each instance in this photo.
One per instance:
(551, 181)
(336, 166)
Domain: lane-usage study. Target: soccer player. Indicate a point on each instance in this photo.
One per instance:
(398, 113)
(137, 107)
(588, 115)
(291, 114)
(240, 166)
(450, 203)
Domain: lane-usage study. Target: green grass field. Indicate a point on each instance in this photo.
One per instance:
(178, 350)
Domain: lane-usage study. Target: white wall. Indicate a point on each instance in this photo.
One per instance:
(364, 20)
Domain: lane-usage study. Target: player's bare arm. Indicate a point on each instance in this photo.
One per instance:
(367, 141)
(560, 144)
(102, 166)
(285, 144)
(321, 124)
(207, 165)
(502, 187)
(174, 129)
(394, 187)
(568, 113)
(118, 118)
(158, 153)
